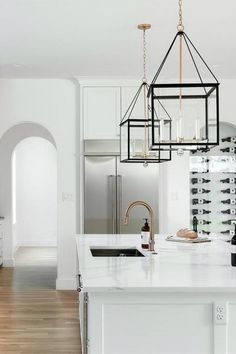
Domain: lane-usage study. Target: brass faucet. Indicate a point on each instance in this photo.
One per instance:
(126, 219)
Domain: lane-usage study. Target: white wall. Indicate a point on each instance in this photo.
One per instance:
(36, 193)
(174, 210)
(51, 104)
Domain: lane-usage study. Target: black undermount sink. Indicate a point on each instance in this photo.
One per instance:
(116, 252)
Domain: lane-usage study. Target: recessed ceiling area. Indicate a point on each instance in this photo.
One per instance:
(99, 38)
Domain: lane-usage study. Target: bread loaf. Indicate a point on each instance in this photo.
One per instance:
(187, 233)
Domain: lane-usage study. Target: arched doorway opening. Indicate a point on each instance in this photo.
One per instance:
(34, 208)
(34, 195)
(13, 143)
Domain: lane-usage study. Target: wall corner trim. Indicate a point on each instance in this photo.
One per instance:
(66, 284)
(9, 262)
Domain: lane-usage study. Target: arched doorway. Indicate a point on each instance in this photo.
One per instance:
(8, 143)
(34, 184)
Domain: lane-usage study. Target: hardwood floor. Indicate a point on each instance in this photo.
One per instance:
(35, 318)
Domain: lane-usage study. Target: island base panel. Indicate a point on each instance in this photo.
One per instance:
(159, 323)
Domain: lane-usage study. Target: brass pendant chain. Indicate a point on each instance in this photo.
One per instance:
(180, 26)
(144, 55)
(145, 27)
(145, 95)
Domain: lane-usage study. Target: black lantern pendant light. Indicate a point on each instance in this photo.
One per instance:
(185, 112)
(134, 127)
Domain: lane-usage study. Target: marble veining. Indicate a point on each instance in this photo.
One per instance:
(177, 266)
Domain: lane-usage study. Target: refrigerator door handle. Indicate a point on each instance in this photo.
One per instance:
(112, 204)
(119, 202)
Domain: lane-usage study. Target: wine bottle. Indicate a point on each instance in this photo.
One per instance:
(227, 232)
(195, 223)
(200, 201)
(204, 222)
(199, 180)
(205, 232)
(229, 222)
(229, 139)
(229, 201)
(200, 190)
(206, 149)
(229, 211)
(233, 249)
(228, 180)
(233, 159)
(204, 160)
(200, 211)
(232, 150)
(229, 190)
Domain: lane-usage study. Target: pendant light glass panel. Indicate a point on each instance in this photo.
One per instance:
(195, 125)
(134, 135)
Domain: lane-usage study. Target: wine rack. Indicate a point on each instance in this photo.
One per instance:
(213, 186)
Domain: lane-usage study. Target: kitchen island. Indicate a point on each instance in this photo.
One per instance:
(181, 300)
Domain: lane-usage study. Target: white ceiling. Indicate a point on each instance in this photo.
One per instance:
(97, 38)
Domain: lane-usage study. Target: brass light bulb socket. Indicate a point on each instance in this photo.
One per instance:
(180, 28)
(144, 26)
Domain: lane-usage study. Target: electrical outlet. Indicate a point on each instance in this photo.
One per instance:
(67, 197)
(221, 313)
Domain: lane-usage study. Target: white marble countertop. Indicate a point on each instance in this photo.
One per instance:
(177, 266)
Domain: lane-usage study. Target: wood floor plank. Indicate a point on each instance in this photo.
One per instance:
(34, 317)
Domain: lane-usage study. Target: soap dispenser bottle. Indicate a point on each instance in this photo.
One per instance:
(145, 235)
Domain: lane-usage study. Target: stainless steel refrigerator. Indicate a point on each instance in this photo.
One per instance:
(110, 186)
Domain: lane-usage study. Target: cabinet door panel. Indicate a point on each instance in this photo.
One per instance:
(99, 209)
(101, 112)
(154, 328)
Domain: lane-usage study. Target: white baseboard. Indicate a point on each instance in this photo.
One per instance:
(66, 284)
(9, 262)
(37, 243)
(15, 248)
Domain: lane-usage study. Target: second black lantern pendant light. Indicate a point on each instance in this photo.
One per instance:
(135, 125)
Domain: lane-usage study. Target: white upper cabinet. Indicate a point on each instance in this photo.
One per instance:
(101, 112)
(127, 95)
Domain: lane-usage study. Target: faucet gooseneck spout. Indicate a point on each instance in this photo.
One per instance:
(150, 211)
